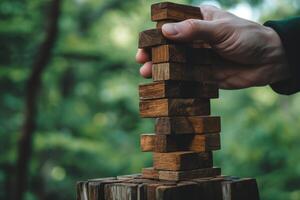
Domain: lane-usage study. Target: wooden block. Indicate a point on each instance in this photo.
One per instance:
(190, 174)
(147, 142)
(188, 125)
(151, 38)
(182, 160)
(181, 72)
(150, 173)
(209, 189)
(129, 176)
(173, 143)
(82, 190)
(172, 11)
(142, 186)
(178, 89)
(95, 187)
(174, 107)
(151, 191)
(182, 191)
(185, 54)
(245, 189)
(154, 37)
(168, 53)
(124, 191)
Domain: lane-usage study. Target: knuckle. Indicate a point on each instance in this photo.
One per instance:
(193, 24)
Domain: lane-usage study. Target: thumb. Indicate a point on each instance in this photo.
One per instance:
(189, 30)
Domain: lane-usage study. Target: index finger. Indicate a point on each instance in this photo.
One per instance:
(142, 56)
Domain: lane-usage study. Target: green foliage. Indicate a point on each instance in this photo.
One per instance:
(88, 123)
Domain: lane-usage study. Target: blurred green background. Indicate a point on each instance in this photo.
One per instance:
(87, 124)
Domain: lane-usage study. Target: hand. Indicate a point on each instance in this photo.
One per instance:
(256, 50)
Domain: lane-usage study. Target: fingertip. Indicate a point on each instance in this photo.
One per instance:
(146, 70)
(142, 56)
(169, 30)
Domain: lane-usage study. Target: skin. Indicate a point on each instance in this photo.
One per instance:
(256, 51)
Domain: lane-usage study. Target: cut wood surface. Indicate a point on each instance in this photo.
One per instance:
(188, 125)
(169, 53)
(178, 89)
(147, 142)
(172, 11)
(182, 160)
(173, 143)
(181, 72)
(174, 107)
(189, 174)
(150, 173)
(151, 38)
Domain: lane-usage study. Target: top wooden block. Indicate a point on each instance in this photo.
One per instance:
(176, 12)
(152, 37)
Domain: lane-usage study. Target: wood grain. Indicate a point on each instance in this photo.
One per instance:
(169, 53)
(129, 176)
(173, 185)
(147, 142)
(154, 37)
(181, 72)
(178, 89)
(118, 191)
(95, 187)
(150, 173)
(173, 143)
(151, 38)
(188, 125)
(174, 107)
(172, 11)
(82, 190)
(190, 174)
(182, 160)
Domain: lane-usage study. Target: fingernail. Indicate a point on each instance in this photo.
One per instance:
(170, 29)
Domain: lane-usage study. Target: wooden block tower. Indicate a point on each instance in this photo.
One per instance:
(185, 133)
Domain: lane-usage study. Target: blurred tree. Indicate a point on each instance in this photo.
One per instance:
(32, 89)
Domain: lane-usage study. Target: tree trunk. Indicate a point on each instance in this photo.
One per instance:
(32, 88)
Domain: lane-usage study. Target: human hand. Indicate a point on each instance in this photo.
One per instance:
(256, 50)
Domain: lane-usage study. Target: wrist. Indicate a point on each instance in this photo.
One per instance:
(277, 58)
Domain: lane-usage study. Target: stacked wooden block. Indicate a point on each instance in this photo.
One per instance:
(179, 99)
(185, 132)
